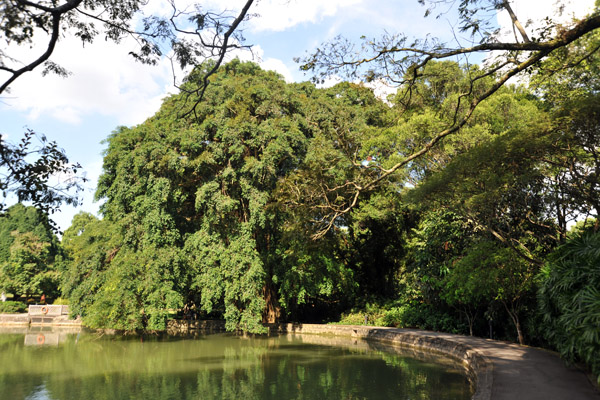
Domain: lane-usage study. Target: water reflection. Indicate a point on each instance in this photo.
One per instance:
(90, 366)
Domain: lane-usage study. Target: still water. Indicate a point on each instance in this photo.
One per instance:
(74, 366)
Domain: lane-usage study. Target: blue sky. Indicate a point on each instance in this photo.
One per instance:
(108, 89)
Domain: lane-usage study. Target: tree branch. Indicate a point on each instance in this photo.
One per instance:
(57, 14)
(222, 50)
(516, 22)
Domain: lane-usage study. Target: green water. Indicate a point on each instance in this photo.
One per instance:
(220, 366)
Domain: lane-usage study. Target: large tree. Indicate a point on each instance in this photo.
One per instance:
(195, 204)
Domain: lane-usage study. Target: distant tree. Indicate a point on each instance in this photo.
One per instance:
(29, 269)
(491, 272)
(440, 238)
(24, 219)
(29, 252)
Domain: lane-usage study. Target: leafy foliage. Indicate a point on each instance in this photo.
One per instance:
(12, 307)
(568, 82)
(38, 173)
(569, 299)
(397, 60)
(29, 253)
(193, 212)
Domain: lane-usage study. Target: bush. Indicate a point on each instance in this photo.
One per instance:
(61, 301)
(405, 315)
(372, 311)
(569, 299)
(12, 307)
(422, 316)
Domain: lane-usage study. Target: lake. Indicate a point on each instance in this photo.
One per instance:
(56, 365)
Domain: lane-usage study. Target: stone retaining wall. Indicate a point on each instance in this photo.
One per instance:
(39, 318)
(14, 320)
(178, 326)
(49, 310)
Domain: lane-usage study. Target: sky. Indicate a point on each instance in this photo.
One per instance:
(107, 88)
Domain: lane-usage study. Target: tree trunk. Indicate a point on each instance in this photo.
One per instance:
(272, 311)
(470, 318)
(515, 319)
(470, 321)
(519, 332)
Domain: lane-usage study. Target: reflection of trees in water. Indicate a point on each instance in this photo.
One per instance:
(219, 367)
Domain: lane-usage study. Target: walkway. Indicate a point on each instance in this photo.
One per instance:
(521, 372)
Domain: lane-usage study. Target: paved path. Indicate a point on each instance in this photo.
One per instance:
(521, 372)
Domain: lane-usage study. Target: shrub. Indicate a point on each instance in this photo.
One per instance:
(405, 315)
(372, 311)
(61, 301)
(569, 299)
(12, 307)
(422, 316)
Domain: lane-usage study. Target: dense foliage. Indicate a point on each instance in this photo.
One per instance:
(447, 207)
(30, 254)
(191, 218)
(12, 307)
(569, 298)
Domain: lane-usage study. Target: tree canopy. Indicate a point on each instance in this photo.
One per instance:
(195, 204)
(395, 59)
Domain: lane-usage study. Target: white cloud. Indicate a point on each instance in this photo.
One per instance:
(104, 80)
(269, 64)
(273, 64)
(278, 15)
(382, 89)
(266, 15)
(330, 81)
